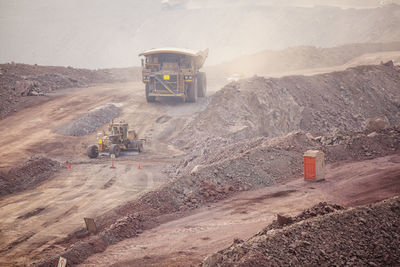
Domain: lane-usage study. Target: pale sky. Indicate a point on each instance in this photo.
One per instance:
(103, 33)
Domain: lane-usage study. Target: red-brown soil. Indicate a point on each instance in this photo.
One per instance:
(29, 175)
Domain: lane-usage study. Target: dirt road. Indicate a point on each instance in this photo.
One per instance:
(190, 239)
(34, 220)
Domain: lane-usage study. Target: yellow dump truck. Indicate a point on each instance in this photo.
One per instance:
(174, 72)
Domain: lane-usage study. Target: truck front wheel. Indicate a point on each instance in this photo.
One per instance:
(149, 99)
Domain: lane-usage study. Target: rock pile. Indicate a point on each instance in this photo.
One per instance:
(29, 175)
(89, 122)
(363, 236)
(326, 104)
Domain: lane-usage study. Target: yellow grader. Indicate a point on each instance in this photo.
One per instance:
(119, 139)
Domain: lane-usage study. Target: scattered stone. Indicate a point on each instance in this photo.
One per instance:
(283, 219)
(376, 124)
(334, 239)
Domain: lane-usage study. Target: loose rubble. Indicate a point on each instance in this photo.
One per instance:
(362, 236)
(27, 176)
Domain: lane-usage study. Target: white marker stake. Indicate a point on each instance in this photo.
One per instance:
(112, 161)
(62, 262)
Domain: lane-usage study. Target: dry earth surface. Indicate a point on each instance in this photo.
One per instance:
(211, 171)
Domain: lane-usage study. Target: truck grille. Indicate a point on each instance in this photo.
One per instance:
(171, 83)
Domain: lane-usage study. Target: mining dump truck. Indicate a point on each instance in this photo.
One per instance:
(120, 138)
(174, 72)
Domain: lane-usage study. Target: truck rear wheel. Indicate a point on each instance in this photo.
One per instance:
(202, 84)
(115, 149)
(150, 99)
(192, 91)
(93, 151)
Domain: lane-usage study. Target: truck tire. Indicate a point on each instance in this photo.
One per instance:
(93, 151)
(202, 84)
(115, 149)
(192, 91)
(150, 99)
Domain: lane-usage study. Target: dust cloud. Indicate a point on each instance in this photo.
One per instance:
(103, 34)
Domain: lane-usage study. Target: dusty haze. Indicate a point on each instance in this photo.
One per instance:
(102, 34)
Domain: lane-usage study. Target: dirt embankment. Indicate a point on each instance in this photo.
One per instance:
(20, 82)
(322, 104)
(319, 104)
(27, 176)
(363, 236)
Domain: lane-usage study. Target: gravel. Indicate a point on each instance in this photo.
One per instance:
(363, 236)
(89, 122)
(28, 175)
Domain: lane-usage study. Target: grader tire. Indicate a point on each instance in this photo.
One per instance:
(93, 151)
(115, 149)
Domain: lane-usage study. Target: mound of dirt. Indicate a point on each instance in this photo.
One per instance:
(247, 165)
(259, 158)
(318, 104)
(29, 175)
(363, 236)
(262, 161)
(320, 209)
(18, 81)
(89, 122)
(336, 102)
